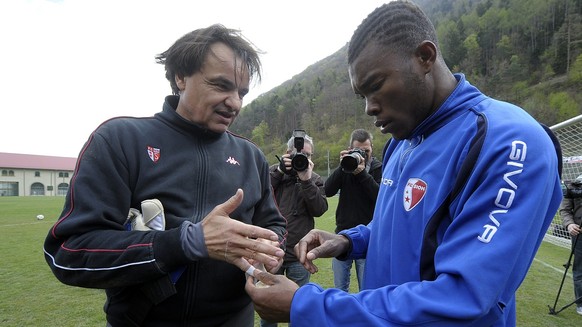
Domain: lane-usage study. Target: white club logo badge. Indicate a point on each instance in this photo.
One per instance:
(413, 193)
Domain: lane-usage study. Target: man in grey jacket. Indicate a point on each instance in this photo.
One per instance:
(300, 196)
(571, 213)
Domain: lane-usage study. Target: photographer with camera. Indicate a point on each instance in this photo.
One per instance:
(300, 196)
(571, 213)
(358, 178)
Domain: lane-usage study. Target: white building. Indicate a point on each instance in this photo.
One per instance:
(26, 174)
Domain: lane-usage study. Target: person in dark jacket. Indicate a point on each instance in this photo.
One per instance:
(358, 191)
(216, 214)
(300, 196)
(571, 214)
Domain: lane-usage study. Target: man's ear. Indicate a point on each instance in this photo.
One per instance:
(426, 53)
(180, 82)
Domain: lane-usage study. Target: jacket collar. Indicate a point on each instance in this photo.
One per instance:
(464, 97)
(172, 118)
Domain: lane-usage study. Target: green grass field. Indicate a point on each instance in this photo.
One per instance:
(31, 296)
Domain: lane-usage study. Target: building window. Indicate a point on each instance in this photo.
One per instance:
(4, 172)
(37, 174)
(8, 188)
(63, 174)
(37, 189)
(11, 173)
(62, 189)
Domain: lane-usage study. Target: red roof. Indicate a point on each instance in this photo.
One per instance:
(32, 161)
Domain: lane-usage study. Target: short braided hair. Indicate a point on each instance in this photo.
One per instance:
(400, 26)
(186, 56)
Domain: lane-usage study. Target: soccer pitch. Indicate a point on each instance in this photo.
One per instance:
(31, 296)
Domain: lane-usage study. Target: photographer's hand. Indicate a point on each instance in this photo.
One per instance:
(343, 153)
(306, 174)
(574, 229)
(361, 166)
(284, 164)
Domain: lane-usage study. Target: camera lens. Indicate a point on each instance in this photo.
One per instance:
(299, 162)
(350, 162)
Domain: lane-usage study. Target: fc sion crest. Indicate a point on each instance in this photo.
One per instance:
(154, 153)
(413, 193)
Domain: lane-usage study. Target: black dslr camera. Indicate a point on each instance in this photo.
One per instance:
(299, 161)
(352, 160)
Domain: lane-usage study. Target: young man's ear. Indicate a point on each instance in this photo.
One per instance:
(426, 52)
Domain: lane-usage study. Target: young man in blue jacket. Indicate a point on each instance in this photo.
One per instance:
(469, 186)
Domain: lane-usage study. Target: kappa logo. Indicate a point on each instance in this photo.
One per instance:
(413, 193)
(232, 161)
(153, 153)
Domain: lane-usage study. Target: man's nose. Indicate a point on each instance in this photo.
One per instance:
(234, 101)
(372, 109)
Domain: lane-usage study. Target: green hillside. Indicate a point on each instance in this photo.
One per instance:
(528, 52)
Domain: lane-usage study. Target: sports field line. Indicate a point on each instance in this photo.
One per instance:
(12, 225)
(561, 271)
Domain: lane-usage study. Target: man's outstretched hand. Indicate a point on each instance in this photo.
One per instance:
(234, 241)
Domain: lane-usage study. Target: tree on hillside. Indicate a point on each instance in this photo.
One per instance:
(516, 50)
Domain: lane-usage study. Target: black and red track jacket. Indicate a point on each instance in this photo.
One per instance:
(190, 170)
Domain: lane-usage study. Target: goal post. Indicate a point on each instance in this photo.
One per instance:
(569, 134)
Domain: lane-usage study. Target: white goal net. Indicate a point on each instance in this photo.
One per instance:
(569, 133)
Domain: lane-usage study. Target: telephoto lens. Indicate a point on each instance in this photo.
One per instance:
(350, 161)
(300, 162)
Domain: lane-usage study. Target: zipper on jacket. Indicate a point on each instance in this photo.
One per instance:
(412, 144)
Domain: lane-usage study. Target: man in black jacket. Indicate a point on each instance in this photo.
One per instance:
(213, 190)
(359, 188)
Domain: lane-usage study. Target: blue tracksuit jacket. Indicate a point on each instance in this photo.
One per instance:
(487, 239)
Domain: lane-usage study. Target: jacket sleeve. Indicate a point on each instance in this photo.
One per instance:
(313, 195)
(334, 182)
(567, 212)
(88, 245)
(276, 176)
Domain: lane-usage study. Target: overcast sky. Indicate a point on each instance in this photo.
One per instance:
(68, 65)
